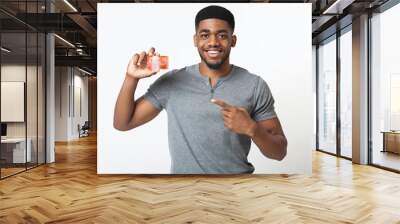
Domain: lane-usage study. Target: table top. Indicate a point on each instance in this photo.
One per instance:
(391, 132)
(13, 140)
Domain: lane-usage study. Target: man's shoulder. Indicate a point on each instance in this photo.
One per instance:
(171, 78)
(170, 75)
(251, 80)
(177, 72)
(243, 73)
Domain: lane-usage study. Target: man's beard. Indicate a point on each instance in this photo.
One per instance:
(214, 66)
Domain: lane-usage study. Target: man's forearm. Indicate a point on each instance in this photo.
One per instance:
(125, 105)
(272, 145)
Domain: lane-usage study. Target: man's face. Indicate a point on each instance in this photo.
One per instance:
(214, 40)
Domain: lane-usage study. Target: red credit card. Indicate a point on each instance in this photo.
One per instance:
(163, 62)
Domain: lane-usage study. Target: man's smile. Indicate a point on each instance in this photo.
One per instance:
(213, 53)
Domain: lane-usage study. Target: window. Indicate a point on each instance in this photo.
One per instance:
(346, 93)
(327, 96)
(385, 89)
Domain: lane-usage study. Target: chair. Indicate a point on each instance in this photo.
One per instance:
(84, 130)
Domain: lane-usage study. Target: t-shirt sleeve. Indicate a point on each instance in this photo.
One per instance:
(263, 102)
(158, 92)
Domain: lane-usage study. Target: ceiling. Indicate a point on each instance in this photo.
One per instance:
(76, 22)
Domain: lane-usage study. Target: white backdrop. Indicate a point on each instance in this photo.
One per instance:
(274, 41)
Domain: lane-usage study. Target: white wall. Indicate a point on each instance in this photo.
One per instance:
(14, 73)
(12, 100)
(274, 42)
(80, 84)
(61, 103)
(68, 80)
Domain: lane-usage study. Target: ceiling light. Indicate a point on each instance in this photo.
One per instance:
(65, 41)
(70, 5)
(5, 50)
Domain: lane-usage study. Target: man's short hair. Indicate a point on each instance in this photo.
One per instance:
(215, 12)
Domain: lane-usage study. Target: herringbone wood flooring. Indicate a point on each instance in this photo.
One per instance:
(70, 191)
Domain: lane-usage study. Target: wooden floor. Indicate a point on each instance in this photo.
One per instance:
(5, 172)
(70, 191)
(387, 159)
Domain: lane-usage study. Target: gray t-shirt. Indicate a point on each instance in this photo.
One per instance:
(198, 141)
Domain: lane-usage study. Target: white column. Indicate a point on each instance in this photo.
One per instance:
(360, 90)
(50, 93)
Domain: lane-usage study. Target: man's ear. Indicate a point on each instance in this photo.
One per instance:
(195, 40)
(234, 39)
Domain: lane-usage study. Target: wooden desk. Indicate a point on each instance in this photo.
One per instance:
(391, 141)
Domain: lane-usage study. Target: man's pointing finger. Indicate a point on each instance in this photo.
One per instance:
(220, 103)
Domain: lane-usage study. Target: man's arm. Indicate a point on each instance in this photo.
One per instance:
(129, 113)
(269, 137)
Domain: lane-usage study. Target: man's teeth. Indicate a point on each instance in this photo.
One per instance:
(213, 52)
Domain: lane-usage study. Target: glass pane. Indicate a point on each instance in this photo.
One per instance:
(314, 85)
(31, 100)
(22, 89)
(386, 89)
(327, 97)
(13, 86)
(31, 86)
(41, 98)
(346, 94)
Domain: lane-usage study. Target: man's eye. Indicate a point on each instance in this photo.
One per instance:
(222, 36)
(203, 36)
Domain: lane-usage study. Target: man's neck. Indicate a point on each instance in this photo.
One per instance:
(214, 73)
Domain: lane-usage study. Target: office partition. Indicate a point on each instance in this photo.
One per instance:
(22, 77)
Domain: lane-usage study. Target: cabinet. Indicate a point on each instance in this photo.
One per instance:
(391, 141)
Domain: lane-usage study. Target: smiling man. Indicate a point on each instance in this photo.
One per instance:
(215, 109)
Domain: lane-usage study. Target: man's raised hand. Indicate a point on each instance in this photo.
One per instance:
(137, 66)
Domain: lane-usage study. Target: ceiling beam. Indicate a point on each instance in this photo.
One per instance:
(83, 23)
(85, 61)
(321, 20)
(337, 6)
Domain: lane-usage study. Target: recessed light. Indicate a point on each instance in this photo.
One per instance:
(5, 50)
(84, 71)
(70, 5)
(64, 40)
